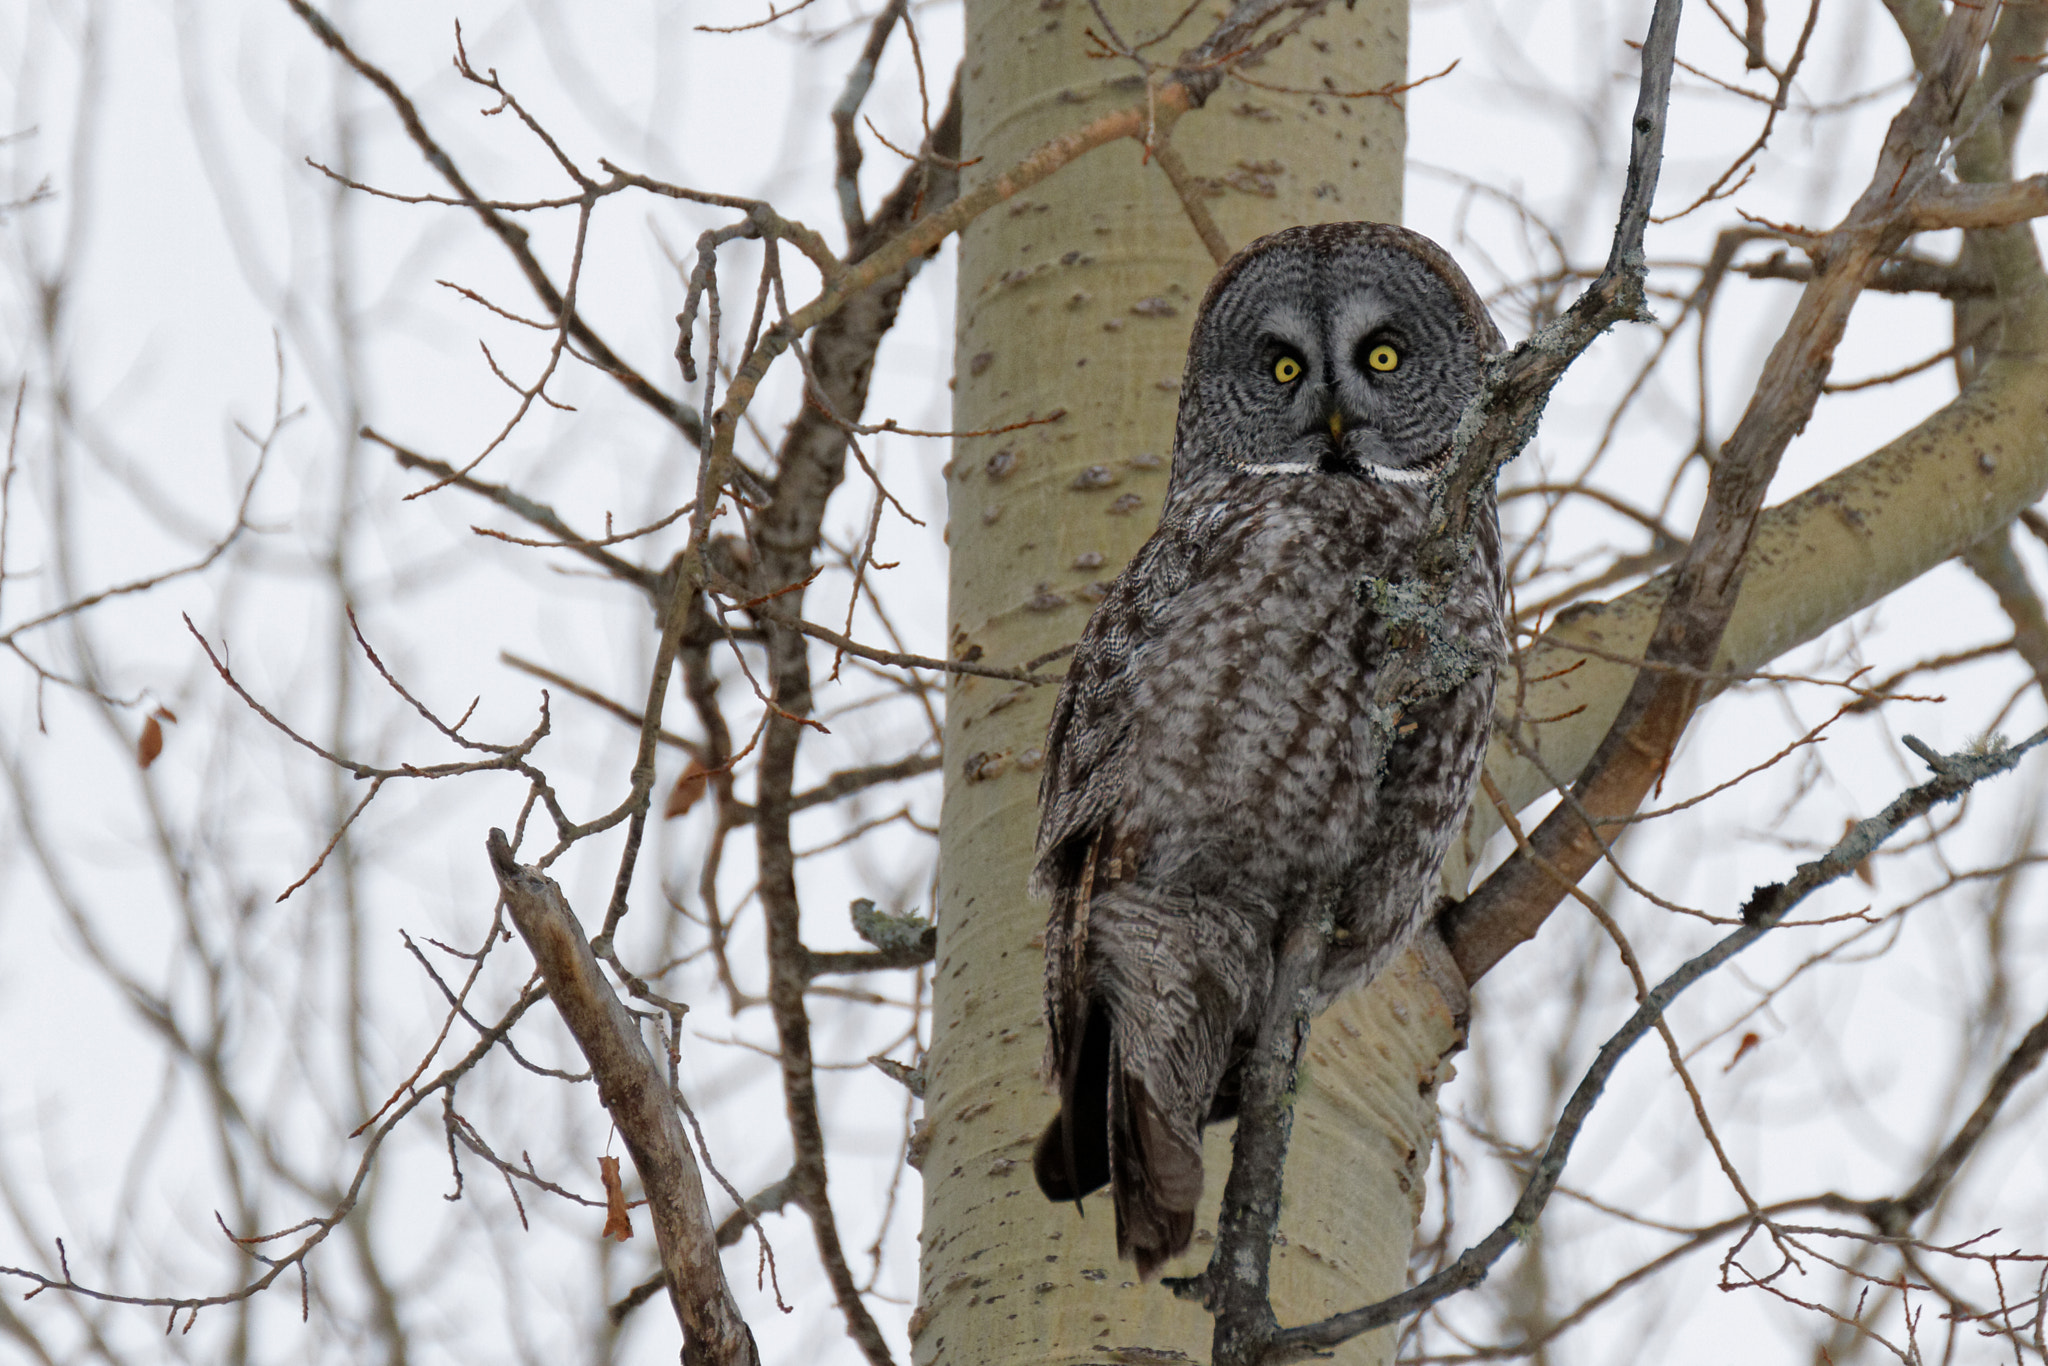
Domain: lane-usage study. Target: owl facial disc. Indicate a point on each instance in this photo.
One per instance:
(1344, 351)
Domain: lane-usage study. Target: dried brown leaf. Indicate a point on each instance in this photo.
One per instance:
(151, 744)
(617, 1223)
(689, 789)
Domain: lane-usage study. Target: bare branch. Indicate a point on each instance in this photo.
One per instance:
(1190, 193)
(1508, 907)
(1894, 1216)
(510, 234)
(540, 514)
(1502, 416)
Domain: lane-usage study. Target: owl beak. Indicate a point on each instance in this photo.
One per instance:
(1336, 425)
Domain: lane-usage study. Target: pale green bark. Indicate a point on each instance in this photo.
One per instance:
(1079, 296)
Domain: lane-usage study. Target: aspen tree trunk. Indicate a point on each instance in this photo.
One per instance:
(1078, 296)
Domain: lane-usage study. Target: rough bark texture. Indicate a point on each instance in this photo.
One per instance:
(1077, 295)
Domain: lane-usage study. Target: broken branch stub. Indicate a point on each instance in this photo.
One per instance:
(635, 1093)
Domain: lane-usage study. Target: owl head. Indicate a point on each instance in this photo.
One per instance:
(1335, 348)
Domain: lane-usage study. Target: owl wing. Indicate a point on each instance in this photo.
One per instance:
(1086, 754)
(1081, 849)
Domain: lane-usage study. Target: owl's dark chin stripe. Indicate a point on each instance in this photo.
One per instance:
(1316, 449)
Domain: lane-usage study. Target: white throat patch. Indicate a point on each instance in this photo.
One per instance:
(1417, 474)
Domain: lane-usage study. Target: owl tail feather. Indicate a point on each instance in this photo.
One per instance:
(1155, 1177)
(1072, 1156)
(1111, 1131)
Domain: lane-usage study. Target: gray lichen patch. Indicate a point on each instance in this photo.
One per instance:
(887, 931)
(1446, 660)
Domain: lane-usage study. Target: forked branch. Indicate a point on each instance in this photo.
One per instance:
(1631, 758)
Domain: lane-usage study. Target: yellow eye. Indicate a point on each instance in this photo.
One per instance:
(1383, 358)
(1287, 370)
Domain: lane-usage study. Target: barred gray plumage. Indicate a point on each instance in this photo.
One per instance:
(1215, 755)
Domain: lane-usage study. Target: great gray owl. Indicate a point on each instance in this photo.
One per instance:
(1215, 755)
